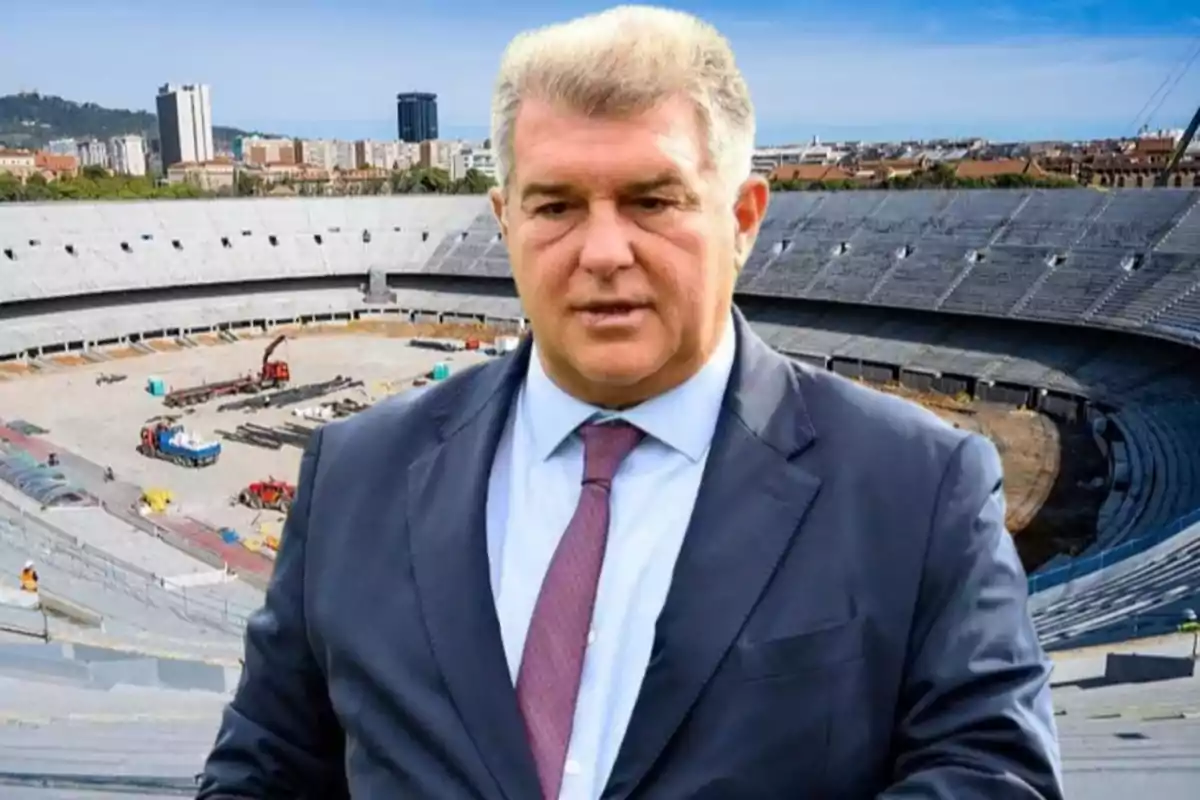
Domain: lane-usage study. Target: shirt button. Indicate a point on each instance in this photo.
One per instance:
(591, 637)
(571, 767)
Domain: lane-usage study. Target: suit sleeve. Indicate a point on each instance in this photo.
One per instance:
(975, 719)
(279, 736)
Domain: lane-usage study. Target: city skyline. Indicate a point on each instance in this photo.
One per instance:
(1064, 69)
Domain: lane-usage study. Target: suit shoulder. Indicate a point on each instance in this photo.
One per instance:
(402, 420)
(854, 414)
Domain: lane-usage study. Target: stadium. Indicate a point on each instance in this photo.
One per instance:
(1063, 324)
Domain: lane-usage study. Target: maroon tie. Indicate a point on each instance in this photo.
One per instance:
(548, 681)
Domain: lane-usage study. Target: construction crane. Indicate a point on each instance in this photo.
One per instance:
(1185, 141)
(277, 373)
(271, 375)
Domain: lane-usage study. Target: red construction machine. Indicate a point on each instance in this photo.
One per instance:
(270, 494)
(271, 375)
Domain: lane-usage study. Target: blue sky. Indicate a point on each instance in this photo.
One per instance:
(873, 69)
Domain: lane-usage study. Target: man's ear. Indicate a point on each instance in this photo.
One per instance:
(496, 195)
(749, 210)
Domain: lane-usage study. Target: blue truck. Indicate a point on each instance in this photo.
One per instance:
(170, 442)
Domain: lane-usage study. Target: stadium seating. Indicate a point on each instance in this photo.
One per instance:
(1126, 259)
(1145, 601)
(57, 250)
(1090, 265)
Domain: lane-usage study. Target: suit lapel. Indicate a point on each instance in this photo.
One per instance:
(447, 501)
(751, 502)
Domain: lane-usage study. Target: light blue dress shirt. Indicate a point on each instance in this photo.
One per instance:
(533, 489)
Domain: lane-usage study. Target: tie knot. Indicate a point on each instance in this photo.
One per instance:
(605, 446)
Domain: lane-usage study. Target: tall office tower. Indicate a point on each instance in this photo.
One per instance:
(185, 124)
(416, 116)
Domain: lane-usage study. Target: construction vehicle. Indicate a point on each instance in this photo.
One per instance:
(270, 494)
(271, 375)
(163, 438)
(156, 501)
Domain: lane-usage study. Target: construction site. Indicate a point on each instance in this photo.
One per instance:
(214, 432)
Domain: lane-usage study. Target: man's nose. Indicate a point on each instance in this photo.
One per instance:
(606, 248)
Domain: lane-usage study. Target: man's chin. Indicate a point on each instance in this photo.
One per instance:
(616, 364)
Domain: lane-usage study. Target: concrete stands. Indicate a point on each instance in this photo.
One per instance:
(1125, 259)
(64, 249)
(82, 719)
(1087, 264)
(1146, 596)
(1128, 740)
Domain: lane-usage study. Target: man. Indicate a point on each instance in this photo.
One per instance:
(29, 578)
(645, 556)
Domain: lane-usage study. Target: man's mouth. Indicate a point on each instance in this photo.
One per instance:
(615, 313)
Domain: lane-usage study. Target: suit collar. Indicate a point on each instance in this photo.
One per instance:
(762, 390)
(764, 393)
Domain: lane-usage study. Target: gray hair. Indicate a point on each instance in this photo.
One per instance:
(624, 61)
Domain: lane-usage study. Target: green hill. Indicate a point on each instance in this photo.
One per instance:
(30, 120)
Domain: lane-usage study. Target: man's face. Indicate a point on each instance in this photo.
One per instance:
(624, 246)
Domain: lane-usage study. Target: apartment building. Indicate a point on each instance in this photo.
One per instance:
(481, 160)
(127, 154)
(260, 151)
(92, 153)
(386, 155)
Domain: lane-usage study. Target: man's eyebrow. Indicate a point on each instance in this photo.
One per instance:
(545, 190)
(666, 180)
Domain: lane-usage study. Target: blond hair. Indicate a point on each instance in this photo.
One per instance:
(623, 61)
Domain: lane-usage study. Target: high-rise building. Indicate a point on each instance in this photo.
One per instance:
(416, 116)
(127, 154)
(185, 124)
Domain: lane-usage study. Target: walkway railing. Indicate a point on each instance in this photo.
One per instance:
(52, 546)
(1041, 581)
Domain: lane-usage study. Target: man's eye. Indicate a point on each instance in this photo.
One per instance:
(551, 209)
(652, 203)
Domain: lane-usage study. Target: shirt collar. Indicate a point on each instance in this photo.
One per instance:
(683, 419)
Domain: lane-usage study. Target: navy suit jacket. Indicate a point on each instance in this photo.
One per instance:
(847, 617)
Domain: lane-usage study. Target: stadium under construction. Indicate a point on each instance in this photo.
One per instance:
(1064, 324)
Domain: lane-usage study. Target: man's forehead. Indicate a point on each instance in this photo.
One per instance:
(553, 144)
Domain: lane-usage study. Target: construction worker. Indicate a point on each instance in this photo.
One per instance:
(29, 578)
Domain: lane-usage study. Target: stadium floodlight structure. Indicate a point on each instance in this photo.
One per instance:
(1189, 133)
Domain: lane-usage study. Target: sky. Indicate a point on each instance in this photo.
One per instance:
(833, 69)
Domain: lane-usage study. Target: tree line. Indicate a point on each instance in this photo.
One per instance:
(940, 176)
(97, 183)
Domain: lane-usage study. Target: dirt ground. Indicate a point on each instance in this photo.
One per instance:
(1051, 468)
(101, 421)
(1053, 472)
